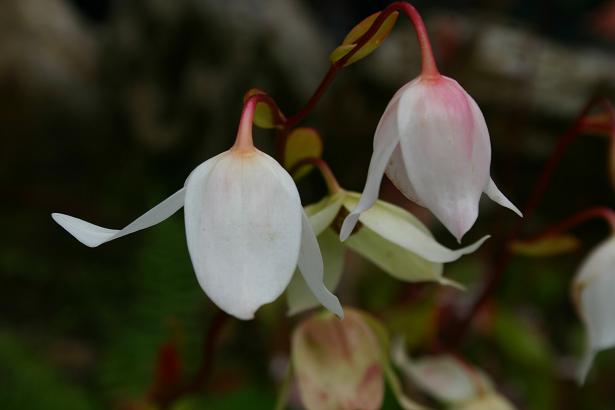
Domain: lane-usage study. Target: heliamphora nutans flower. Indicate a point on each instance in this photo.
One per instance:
(593, 292)
(245, 228)
(432, 141)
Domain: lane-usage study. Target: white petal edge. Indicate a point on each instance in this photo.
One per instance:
(386, 139)
(322, 213)
(498, 197)
(585, 366)
(311, 267)
(298, 295)
(92, 235)
(403, 233)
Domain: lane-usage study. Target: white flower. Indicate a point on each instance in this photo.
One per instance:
(245, 228)
(390, 237)
(594, 294)
(434, 145)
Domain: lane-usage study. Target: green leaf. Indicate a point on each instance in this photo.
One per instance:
(265, 115)
(302, 143)
(28, 382)
(372, 44)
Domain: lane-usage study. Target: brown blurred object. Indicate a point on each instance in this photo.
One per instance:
(602, 21)
(43, 46)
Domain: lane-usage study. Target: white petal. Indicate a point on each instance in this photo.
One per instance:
(595, 284)
(388, 222)
(322, 213)
(386, 139)
(298, 295)
(243, 227)
(498, 197)
(396, 171)
(585, 366)
(311, 268)
(446, 150)
(92, 235)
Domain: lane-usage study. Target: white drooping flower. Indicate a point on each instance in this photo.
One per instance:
(245, 228)
(594, 294)
(389, 236)
(432, 141)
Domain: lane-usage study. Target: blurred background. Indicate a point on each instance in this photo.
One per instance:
(106, 107)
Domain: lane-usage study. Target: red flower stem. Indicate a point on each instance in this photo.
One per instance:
(571, 222)
(494, 276)
(429, 68)
(332, 184)
(201, 377)
(243, 142)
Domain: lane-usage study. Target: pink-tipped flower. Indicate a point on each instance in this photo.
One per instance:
(434, 145)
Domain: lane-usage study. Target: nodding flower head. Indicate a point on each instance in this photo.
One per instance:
(433, 143)
(245, 228)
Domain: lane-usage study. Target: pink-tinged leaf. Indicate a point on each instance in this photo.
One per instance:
(355, 34)
(301, 143)
(548, 246)
(338, 363)
(265, 115)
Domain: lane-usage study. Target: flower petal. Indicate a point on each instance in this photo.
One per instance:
(401, 228)
(92, 235)
(322, 213)
(243, 228)
(311, 267)
(393, 259)
(593, 289)
(386, 139)
(396, 171)
(498, 197)
(298, 295)
(446, 150)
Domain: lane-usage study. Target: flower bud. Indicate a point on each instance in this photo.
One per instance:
(338, 363)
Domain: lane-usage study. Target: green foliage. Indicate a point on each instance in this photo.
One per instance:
(29, 382)
(169, 304)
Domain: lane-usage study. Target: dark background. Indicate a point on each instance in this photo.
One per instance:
(106, 107)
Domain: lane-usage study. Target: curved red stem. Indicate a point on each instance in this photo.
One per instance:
(429, 68)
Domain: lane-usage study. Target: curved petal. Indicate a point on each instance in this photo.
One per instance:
(386, 140)
(498, 197)
(92, 235)
(396, 171)
(393, 259)
(399, 227)
(243, 228)
(298, 295)
(446, 149)
(594, 287)
(322, 213)
(311, 267)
